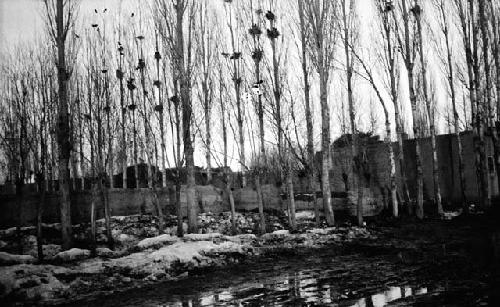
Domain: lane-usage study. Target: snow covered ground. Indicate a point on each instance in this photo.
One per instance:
(143, 256)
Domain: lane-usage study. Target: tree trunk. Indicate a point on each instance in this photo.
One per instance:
(136, 158)
(479, 143)
(163, 154)
(41, 187)
(456, 118)
(123, 125)
(231, 203)
(63, 140)
(260, 115)
(39, 216)
(93, 183)
(208, 153)
(187, 110)
(239, 112)
(325, 147)
(483, 21)
(159, 210)
(93, 242)
(262, 222)
(110, 161)
(435, 171)
(74, 164)
(178, 206)
(291, 199)
(355, 152)
(430, 115)
(496, 57)
(392, 164)
(110, 144)
(147, 144)
(107, 214)
(20, 213)
(225, 155)
(277, 94)
(311, 174)
(416, 125)
(190, 189)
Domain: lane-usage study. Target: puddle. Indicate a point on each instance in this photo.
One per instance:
(321, 283)
(317, 278)
(297, 291)
(390, 295)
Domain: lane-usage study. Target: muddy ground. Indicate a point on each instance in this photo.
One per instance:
(391, 262)
(405, 263)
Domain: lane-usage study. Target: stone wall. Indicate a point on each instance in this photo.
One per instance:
(214, 199)
(122, 202)
(447, 148)
(132, 201)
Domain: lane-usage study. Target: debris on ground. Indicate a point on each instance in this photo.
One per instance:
(142, 254)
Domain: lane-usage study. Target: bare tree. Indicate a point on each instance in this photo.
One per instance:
(304, 41)
(184, 68)
(257, 54)
(123, 109)
(495, 48)
(235, 57)
(349, 29)
(167, 28)
(321, 20)
(408, 48)
(206, 56)
(224, 114)
(60, 18)
(483, 20)
(368, 76)
(429, 108)
(442, 7)
(469, 34)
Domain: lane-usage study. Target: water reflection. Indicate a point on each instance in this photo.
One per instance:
(315, 280)
(309, 288)
(387, 296)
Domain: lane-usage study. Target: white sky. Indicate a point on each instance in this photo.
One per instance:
(21, 21)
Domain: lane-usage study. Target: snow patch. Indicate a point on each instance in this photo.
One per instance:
(183, 252)
(104, 252)
(304, 215)
(202, 236)
(10, 259)
(73, 255)
(122, 238)
(119, 218)
(8, 232)
(32, 282)
(321, 231)
(449, 215)
(242, 238)
(158, 241)
(282, 232)
(49, 250)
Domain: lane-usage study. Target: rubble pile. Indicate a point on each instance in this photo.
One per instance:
(142, 254)
(245, 222)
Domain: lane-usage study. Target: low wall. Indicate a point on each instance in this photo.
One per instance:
(122, 202)
(132, 201)
(246, 199)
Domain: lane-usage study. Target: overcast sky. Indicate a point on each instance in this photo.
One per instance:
(22, 21)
